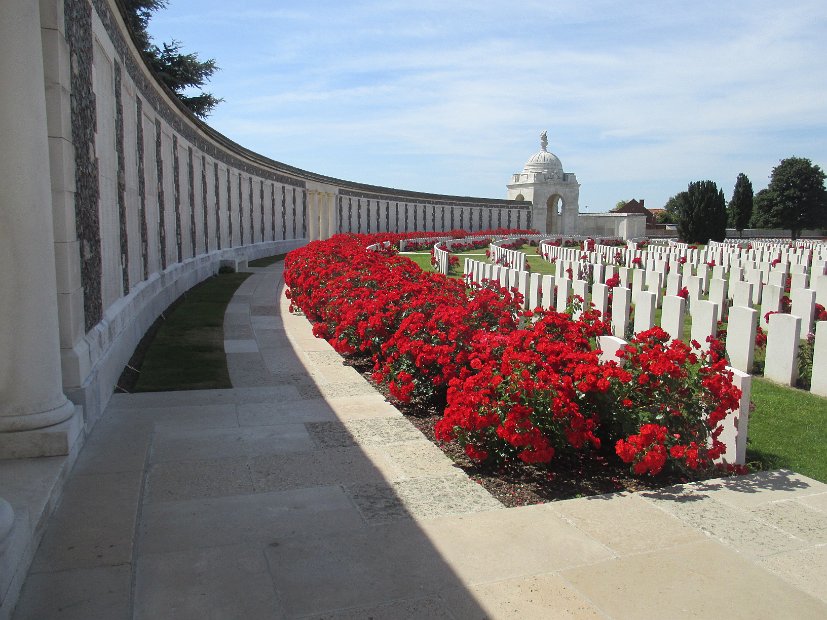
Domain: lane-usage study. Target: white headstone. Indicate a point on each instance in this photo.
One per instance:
(621, 298)
(563, 294)
(718, 295)
(522, 285)
(783, 337)
(548, 292)
(740, 338)
(704, 323)
(673, 316)
(645, 311)
(736, 424)
(673, 283)
(742, 294)
(600, 298)
(818, 384)
(821, 289)
(609, 346)
(803, 305)
(581, 289)
(534, 291)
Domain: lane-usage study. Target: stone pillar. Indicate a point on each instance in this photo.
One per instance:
(31, 393)
(312, 215)
(323, 202)
(332, 214)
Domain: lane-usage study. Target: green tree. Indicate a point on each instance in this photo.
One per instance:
(619, 205)
(701, 213)
(795, 198)
(671, 207)
(180, 72)
(739, 211)
(664, 217)
(761, 210)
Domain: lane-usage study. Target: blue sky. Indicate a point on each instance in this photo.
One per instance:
(638, 98)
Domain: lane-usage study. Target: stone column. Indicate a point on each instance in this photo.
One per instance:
(31, 393)
(312, 215)
(332, 214)
(324, 207)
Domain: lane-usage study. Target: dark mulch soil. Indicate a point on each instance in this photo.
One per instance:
(566, 477)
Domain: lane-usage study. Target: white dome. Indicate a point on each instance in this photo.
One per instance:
(544, 162)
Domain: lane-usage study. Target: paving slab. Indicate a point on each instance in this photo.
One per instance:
(260, 517)
(625, 523)
(94, 524)
(302, 493)
(213, 582)
(268, 414)
(318, 468)
(365, 567)
(428, 608)
(700, 579)
(176, 480)
(805, 569)
(220, 443)
(538, 597)
(77, 594)
(517, 542)
(116, 445)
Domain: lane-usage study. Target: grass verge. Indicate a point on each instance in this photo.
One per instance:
(266, 261)
(787, 429)
(184, 349)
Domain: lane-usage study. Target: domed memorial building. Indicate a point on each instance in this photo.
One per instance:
(554, 194)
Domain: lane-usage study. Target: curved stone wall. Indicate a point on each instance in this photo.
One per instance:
(147, 200)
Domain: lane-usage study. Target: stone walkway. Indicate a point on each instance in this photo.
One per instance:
(301, 493)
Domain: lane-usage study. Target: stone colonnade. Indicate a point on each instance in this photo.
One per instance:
(114, 201)
(321, 213)
(30, 370)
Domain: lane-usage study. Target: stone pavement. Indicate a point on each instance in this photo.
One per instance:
(301, 493)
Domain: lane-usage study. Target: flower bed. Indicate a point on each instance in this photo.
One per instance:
(515, 387)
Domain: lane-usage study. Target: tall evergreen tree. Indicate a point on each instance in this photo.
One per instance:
(740, 207)
(795, 198)
(701, 213)
(175, 69)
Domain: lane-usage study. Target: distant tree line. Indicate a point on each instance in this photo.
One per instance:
(794, 200)
(180, 72)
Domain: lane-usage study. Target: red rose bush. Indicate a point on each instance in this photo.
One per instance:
(516, 386)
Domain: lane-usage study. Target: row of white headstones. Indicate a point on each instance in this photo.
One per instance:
(722, 281)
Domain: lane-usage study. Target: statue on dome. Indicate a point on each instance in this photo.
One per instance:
(543, 140)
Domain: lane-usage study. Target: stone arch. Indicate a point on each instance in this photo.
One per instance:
(519, 197)
(554, 210)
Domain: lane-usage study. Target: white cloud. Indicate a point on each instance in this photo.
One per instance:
(442, 95)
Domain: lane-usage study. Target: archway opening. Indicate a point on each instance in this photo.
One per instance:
(554, 209)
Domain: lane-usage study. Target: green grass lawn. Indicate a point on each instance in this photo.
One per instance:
(266, 261)
(187, 352)
(787, 429)
(423, 259)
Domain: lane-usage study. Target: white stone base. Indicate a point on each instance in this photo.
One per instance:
(57, 440)
(33, 488)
